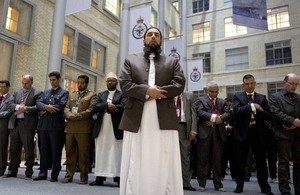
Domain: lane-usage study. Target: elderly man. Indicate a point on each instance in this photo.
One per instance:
(211, 114)
(6, 100)
(78, 113)
(23, 125)
(285, 107)
(108, 137)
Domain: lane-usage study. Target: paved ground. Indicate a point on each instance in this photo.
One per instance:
(20, 186)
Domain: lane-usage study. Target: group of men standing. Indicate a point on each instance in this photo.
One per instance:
(61, 119)
(248, 120)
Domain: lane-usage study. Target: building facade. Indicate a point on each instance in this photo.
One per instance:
(90, 43)
(230, 51)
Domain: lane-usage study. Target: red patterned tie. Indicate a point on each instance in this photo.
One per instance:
(213, 106)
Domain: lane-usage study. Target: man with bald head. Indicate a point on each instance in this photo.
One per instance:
(285, 107)
(23, 124)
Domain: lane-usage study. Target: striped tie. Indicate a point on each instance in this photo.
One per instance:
(24, 96)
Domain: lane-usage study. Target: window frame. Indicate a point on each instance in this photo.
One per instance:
(110, 11)
(278, 51)
(13, 35)
(236, 30)
(197, 9)
(276, 12)
(241, 65)
(201, 28)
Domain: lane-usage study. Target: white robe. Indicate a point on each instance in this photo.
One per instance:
(151, 162)
(108, 150)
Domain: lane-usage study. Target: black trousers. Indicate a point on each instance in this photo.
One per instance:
(4, 133)
(20, 137)
(51, 144)
(285, 147)
(259, 151)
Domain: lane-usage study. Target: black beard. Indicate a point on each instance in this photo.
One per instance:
(149, 49)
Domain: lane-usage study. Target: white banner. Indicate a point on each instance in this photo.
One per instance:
(250, 13)
(195, 75)
(140, 20)
(174, 48)
(74, 6)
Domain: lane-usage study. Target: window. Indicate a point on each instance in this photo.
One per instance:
(278, 53)
(232, 90)
(70, 77)
(206, 61)
(84, 49)
(237, 59)
(232, 29)
(200, 5)
(153, 17)
(278, 18)
(12, 19)
(113, 6)
(7, 52)
(201, 32)
(68, 42)
(98, 57)
(274, 87)
(18, 20)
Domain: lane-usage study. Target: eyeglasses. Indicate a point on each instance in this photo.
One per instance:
(293, 84)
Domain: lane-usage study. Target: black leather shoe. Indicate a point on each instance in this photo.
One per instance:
(190, 188)
(238, 189)
(39, 178)
(53, 180)
(96, 183)
(268, 192)
(10, 175)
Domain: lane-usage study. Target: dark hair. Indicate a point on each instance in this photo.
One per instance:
(54, 73)
(7, 83)
(152, 27)
(248, 76)
(85, 77)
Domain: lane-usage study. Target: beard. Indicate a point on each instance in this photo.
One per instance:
(151, 49)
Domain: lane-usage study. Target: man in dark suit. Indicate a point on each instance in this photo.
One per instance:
(187, 130)
(23, 125)
(51, 126)
(211, 115)
(78, 114)
(285, 107)
(250, 110)
(6, 101)
(108, 137)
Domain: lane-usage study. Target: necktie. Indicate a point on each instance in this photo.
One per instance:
(291, 97)
(151, 77)
(24, 96)
(178, 108)
(1, 99)
(252, 120)
(250, 98)
(213, 106)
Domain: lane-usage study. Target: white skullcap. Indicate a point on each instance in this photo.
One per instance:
(111, 75)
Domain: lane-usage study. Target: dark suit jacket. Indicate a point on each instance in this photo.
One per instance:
(134, 84)
(203, 109)
(52, 121)
(242, 113)
(284, 113)
(31, 113)
(190, 112)
(100, 108)
(5, 111)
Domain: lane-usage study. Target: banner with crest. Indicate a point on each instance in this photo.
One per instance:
(173, 48)
(194, 75)
(140, 20)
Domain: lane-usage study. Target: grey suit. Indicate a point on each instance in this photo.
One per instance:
(5, 113)
(285, 112)
(184, 130)
(210, 140)
(23, 131)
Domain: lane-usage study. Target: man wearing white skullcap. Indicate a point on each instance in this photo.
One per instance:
(108, 137)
